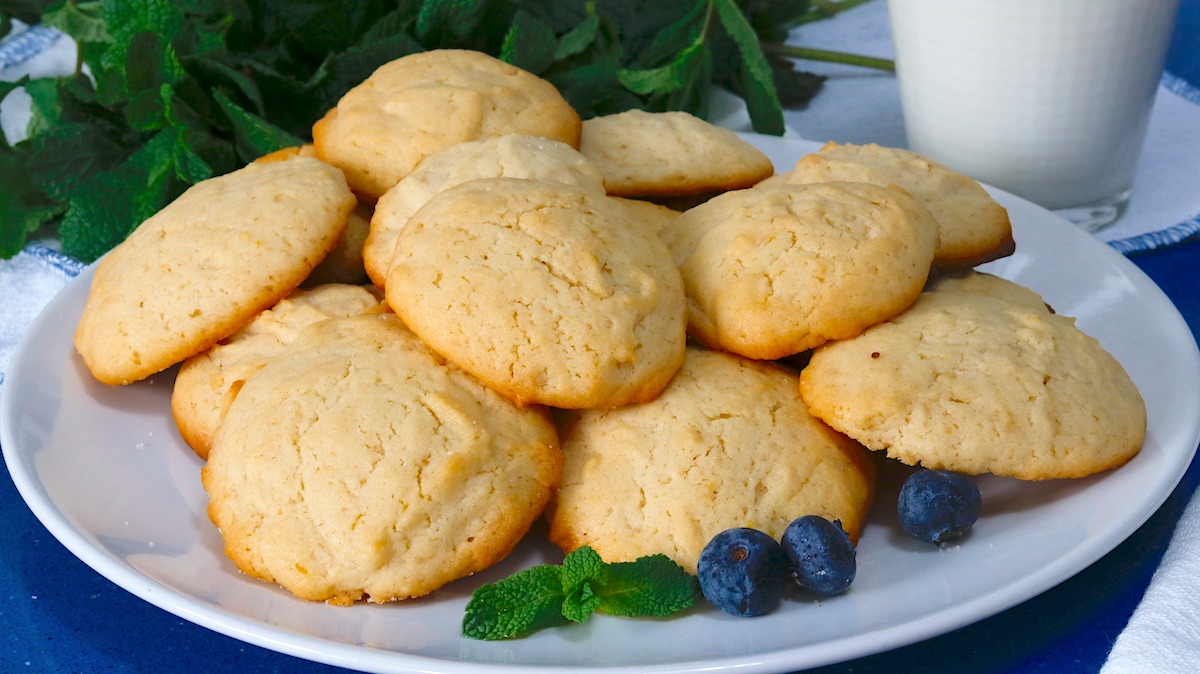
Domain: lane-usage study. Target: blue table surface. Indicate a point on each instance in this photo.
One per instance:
(59, 615)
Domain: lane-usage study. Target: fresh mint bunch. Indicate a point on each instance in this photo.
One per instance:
(170, 92)
(550, 596)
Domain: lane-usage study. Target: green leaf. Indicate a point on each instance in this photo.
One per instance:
(668, 78)
(45, 108)
(529, 44)
(773, 19)
(548, 596)
(23, 209)
(255, 136)
(190, 167)
(83, 21)
(347, 69)
(579, 38)
(108, 205)
(129, 23)
(650, 586)
(522, 603)
(758, 84)
(583, 574)
(100, 214)
(150, 62)
(674, 32)
(58, 159)
(445, 21)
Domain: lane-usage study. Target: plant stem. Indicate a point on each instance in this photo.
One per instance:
(831, 56)
(824, 9)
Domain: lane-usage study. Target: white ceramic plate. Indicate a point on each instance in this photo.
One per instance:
(106, 472)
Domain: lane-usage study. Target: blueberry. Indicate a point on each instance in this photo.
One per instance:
(821, 555)
(938, 506)
(743, 572)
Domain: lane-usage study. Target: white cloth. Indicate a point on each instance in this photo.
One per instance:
(1163, 636)
(857, 105)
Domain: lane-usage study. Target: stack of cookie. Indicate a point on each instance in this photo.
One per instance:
(461, 308)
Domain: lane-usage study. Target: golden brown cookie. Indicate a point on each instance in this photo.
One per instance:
(779, 269)
(206, 264)
(973, 382)
(728, 444)
(208, 382)
(416, 105)
(669, 153)
(648, 215)
(359, 464)
(544, 291)
(344, 264)
(508, 156)
(973, 227)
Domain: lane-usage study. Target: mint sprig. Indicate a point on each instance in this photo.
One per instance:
(169, 92)
(551, 595)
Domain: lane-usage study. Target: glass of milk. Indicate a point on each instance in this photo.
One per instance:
(1048, 99)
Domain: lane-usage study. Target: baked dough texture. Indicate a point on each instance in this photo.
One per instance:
(669, 153)
(973, 227)
(546, 292)
(358, 464)
(416, 105)
(728, 444)
(975, 383)
(344, 264)
(208, 382)
(508, 156)
(207, 263)
(776, 270)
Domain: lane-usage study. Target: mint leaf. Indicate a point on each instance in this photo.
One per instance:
(23, 209)
(650, 586)
(522, 603)
(549, 596)
(447, 21)
(758, 82)
(668, 78)
(529, 44)
(59, 158)
(255, 136)
(81, 20)
(107, 206)
(583, 574)
(579, 38)
(226, 81)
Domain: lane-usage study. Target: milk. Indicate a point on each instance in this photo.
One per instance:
(1049, 99)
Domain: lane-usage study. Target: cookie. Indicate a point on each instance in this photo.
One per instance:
(776, 270)
(358, 464)
(416, 105)
(728, 444)
(344, 264)
(973, 227)
(973, 382)
(544, 291)
(283, 154)
(669, 153)
(649, 216)
(206, 264)
(971, 281)
(511, 156)
(208, 382)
